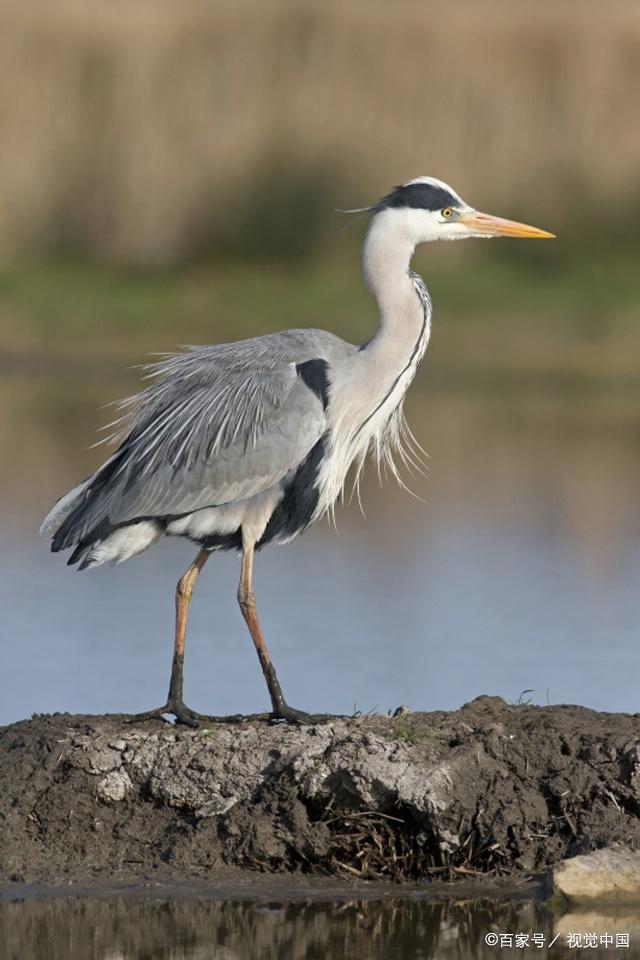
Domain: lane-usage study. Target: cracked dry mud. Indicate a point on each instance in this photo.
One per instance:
(504, 790)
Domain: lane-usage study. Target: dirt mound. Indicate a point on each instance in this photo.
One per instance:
(492, 788)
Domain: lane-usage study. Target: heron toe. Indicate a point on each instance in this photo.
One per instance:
(287, 714)
(183, 714)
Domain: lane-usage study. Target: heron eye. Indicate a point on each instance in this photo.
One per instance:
(447, 213)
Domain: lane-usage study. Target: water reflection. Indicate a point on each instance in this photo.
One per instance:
(392, 929)
(519, 571)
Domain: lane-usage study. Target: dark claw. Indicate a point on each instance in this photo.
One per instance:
(180, 711)
(185, 715)
(287, 714)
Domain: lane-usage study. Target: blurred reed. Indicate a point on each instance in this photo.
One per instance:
(151, 130)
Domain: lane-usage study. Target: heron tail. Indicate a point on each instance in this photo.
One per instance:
(80, 509)
(62, 508)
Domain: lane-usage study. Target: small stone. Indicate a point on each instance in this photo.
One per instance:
(115, 786)
(103, 759)
(610, 875)
(400, 711)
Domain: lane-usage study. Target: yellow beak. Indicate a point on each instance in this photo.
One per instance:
(484, 225)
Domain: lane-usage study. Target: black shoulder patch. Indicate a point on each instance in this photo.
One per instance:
(424, 196)
(315, 374)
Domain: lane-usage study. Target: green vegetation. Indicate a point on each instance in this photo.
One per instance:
(497, 316)
(408, 732)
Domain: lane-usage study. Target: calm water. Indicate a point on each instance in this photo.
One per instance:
(393, 929)
(519, 571)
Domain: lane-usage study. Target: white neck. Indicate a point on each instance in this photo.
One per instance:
(386, 257)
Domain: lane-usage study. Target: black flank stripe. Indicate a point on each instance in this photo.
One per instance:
(300, 499)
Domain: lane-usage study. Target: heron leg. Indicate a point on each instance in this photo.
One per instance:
(246, 599)
(175, 702)
(184, 590)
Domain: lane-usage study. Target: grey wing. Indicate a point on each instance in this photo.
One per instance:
(265, 427)
(219, 424)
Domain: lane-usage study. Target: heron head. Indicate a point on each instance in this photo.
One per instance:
(429, 209)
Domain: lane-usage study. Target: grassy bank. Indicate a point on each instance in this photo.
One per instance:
(495, 314)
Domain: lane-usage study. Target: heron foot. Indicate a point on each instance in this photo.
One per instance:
(178, 708)
(286, 714)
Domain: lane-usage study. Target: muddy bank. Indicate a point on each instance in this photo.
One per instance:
(492, 789)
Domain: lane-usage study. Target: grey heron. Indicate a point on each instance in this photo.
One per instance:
(240, 445)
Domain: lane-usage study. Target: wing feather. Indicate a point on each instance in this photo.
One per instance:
(215, 425)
